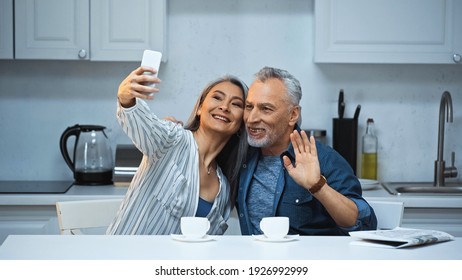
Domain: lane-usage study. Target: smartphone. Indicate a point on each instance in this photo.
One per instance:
(151, 59)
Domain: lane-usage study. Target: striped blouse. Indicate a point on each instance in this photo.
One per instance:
(166, 185)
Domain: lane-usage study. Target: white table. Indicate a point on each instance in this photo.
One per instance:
(97, 247)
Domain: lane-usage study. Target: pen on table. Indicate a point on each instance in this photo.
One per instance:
(358, 109)
(341, 105)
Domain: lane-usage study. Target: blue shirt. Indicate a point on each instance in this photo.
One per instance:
(261, 193)
(306, 214)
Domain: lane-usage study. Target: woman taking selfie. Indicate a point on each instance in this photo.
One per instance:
(185, 171)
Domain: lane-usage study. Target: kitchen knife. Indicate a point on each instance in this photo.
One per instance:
(341, 105)
(358, 109)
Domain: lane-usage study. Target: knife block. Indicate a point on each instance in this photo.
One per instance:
(345, 139)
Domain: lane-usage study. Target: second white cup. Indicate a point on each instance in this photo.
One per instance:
(275, 227)
(194, 227)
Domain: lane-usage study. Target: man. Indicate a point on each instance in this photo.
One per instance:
(287, 174)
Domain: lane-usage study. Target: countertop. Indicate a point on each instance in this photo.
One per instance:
(139, 247)
(77, 192)
(415, 201)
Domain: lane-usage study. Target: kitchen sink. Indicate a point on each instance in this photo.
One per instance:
(422, 188)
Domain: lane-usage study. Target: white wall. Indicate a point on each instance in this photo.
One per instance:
(207, 38)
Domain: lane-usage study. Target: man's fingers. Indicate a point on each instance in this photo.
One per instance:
(287, 163)
(313, 149)
(297, 142)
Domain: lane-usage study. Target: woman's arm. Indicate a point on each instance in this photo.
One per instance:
(150, 135)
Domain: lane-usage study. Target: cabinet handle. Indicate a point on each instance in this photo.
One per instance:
(82, 53)
(456, 57)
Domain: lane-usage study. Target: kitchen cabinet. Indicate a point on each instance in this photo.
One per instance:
(388, 31)
(29, 213)
(97, 30)
(30, 219)
(445, 219)
(437, 212)
(6, 29)
(121, 30)
(36, 213)
(42, 219)
(52, 29)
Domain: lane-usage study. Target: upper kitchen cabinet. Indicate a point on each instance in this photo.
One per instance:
(97, 30)
(388, 31)
(6, 29)
(52, 29)
(121, 30)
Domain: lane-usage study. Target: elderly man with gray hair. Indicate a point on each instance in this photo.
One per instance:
(288, 174)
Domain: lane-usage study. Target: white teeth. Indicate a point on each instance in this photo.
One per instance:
(221, 118)
(256, 129)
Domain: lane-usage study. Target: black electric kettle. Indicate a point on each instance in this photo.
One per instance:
(92, 162)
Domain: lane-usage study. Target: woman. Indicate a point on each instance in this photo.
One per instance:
(190, 171)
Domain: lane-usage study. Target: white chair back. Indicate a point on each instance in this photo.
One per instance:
(75, 216)
(389, 213)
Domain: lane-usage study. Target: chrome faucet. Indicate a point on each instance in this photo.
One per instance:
(441, 171)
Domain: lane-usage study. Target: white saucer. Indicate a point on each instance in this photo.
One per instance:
(286, 238)
(181, 237)
(367, 184)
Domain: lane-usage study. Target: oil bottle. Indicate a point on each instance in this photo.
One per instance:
(369, 152)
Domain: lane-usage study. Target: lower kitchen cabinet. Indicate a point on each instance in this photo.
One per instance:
(36, 214)
(445, 219)
(42, 219)
(27, 219)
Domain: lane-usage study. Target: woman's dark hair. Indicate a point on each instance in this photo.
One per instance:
(234, 152)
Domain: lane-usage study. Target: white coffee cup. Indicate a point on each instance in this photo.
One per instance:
(194, 227)
(275, 227)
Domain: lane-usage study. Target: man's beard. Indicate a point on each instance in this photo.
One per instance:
(268, 140)
(259, 143)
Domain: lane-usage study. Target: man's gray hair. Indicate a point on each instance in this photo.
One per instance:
(294, 90)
